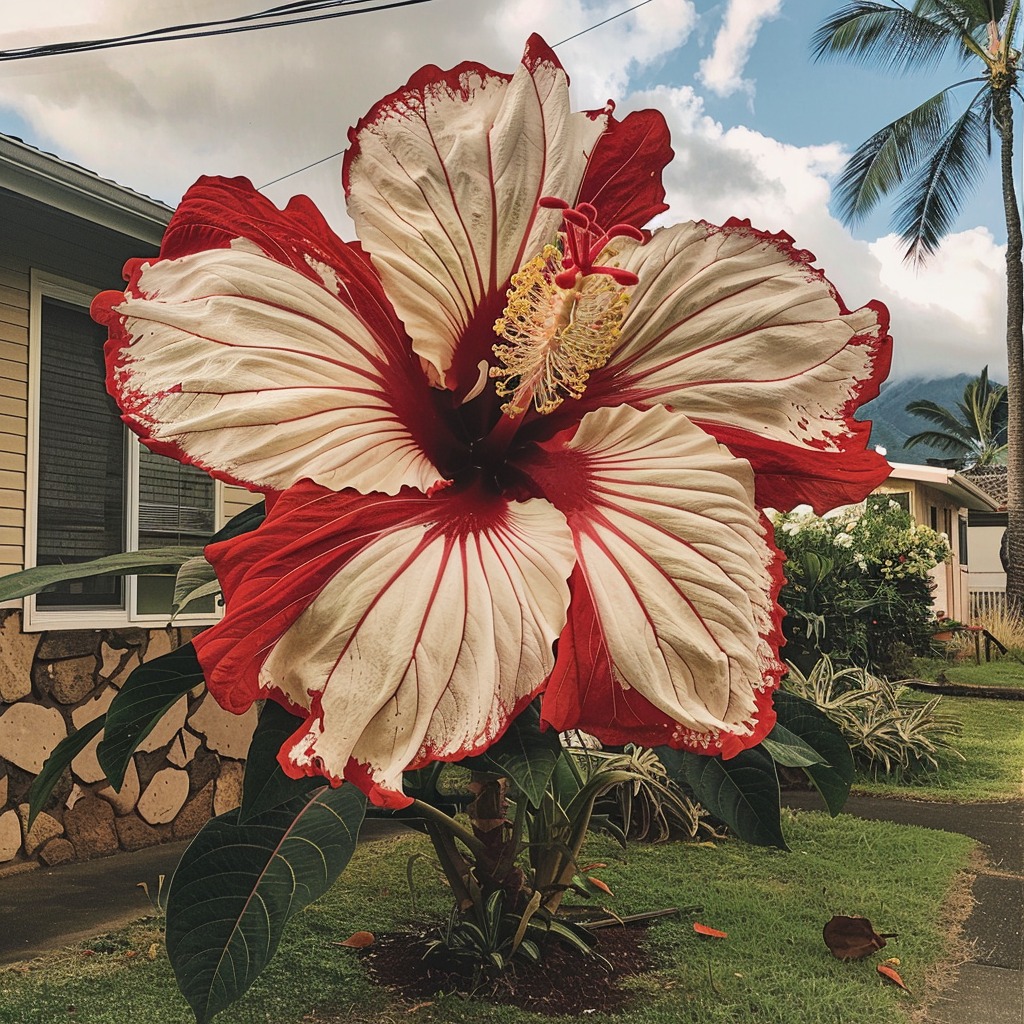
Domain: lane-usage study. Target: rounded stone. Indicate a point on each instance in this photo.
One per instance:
(164, 796)
(57, 851)
(225, 733)
(10, 835)
(135, 834)
(17, 652)
(228, 794)
(89, 825)
(86, 765)
(28, 734)
(124, 800)
(44, 828)
(195, 814)
(68, 681)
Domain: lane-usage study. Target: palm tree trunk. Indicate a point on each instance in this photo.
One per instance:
(1003, 109)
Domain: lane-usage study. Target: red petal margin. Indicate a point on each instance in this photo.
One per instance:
(270, 576)
(623, 177)
(216, 211)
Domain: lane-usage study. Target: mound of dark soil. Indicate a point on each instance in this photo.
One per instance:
(563, 983)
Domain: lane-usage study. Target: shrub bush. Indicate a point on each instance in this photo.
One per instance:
(857, 586)
(888, 734)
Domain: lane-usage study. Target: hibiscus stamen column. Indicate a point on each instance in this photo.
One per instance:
(562, 320)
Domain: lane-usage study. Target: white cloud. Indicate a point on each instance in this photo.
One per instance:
(946, 318)
(722, 70)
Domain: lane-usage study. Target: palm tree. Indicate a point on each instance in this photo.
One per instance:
(935, 155)
(974, 434)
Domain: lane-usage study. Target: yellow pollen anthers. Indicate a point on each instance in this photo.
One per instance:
(555, 336)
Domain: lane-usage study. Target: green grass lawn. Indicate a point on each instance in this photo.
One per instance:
(1002, 672)
(992, 743)
(773, 968)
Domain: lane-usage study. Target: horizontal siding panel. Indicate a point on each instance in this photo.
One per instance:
(15, 443)
(16, 297)
(12, 499)
(14, 389)
(14, 333)
(13, 352)
(11, 425)
(13, 407)
(11, 480)
(10, 370)
(12, 517)
(13, 537)
(17, 315)
(12, 559)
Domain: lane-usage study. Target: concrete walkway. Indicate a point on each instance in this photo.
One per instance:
(45, 909)
(990, 988)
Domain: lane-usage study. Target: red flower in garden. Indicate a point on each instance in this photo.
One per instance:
(511, 442)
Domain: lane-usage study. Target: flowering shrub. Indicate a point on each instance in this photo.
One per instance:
(857, 585)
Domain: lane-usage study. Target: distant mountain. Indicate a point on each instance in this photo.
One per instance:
(892, 424)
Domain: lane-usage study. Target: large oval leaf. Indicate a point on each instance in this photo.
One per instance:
(195, 579)
(237, 885)
(147, 695)
(265, 785)
(833, 775)
(743, 792)
(526, 754)
(127, 563)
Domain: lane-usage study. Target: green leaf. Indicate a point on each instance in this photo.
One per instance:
(61, 757)
(147, 695)
(524, 753)
(786, 748)
(195, 579)
(265, 785)
(833, 776)
(127, 563)
(237, 885)
(743, 792)
(245, 522)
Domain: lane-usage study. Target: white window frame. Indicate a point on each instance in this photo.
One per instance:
(35, 619)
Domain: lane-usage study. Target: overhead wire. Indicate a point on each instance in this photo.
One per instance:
(224, 26)
(331, 156)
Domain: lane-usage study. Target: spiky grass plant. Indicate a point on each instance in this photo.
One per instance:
(889, 734)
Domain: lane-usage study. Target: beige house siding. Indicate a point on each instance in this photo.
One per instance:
(14, 305)
(62, 222)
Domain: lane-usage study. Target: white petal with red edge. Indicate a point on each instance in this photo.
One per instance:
(443, 178)
(260, 374)
(425, 644)
(677, 563)
(734, 328)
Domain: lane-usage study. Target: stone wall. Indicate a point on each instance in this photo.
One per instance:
(187, 769)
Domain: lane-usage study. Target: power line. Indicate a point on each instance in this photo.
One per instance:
(283, 15)
(331, 156)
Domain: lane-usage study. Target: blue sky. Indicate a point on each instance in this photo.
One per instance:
(263, 104)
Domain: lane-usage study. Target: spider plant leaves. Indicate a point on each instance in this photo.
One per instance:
(742, 791)
(237, 886)
(832, 771)
(60, 758)
(265, 785)
(147, 695)
(126, 563)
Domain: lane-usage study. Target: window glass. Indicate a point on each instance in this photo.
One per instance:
(80, 512)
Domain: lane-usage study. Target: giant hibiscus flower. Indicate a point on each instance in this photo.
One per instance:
(512, 442)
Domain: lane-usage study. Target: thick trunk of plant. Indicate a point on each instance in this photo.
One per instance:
(495, 866)
(1003, 109)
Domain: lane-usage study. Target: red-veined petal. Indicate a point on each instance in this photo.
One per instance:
(410, 629)
(442, 179)
(623, 179)
(673, 627)
(270, 356)
(734, 328)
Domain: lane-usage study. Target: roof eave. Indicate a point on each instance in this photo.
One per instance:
(36, 175)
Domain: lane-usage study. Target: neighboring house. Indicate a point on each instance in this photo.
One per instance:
(986, 529)
(943, 499)
(75, 484)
